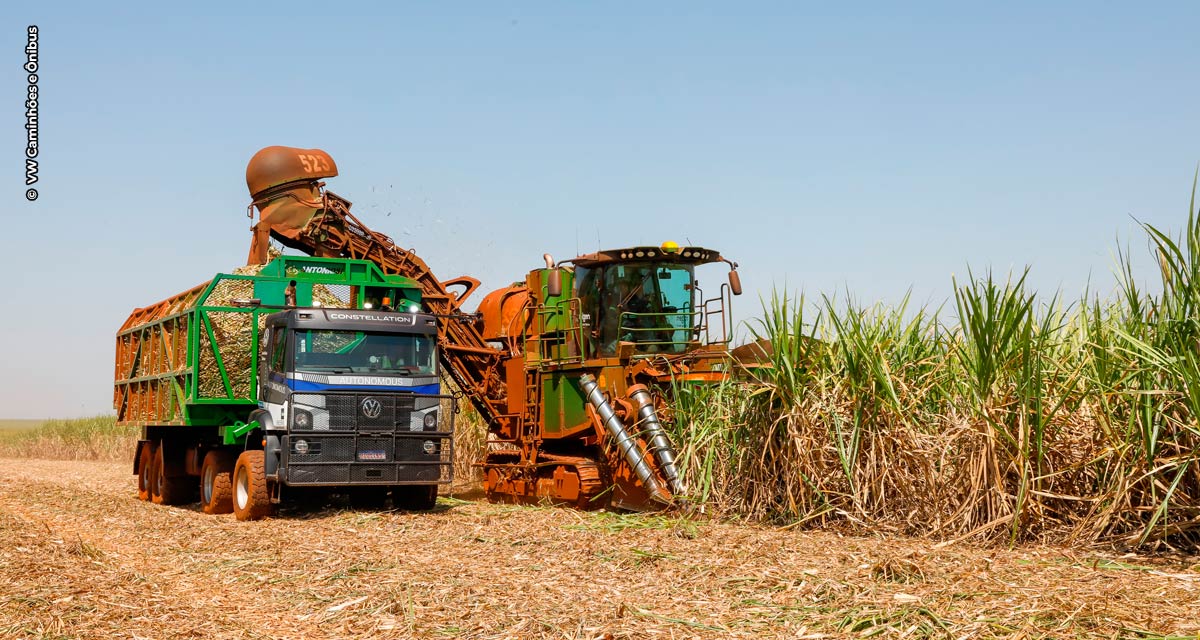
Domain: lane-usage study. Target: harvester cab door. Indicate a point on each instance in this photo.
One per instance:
(675, 297)
(590, 294)
(627, 293)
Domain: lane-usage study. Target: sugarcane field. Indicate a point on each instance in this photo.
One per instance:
(603, 322)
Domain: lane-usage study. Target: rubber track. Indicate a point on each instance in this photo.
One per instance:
(588, 471)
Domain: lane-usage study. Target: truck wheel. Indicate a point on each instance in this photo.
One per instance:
(216, 482)
(145, 463)
(415, 497)
(166, 489)
(251, 500)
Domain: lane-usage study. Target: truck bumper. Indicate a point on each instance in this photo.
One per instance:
(344, 459)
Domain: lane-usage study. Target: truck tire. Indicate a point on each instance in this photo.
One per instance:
(216, 482)
(415, 497)
(251, 499)
(145, 463)
(165, 489)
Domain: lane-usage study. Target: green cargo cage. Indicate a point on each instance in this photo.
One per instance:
(192, 359)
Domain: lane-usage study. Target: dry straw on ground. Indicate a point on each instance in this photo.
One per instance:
(81, 557)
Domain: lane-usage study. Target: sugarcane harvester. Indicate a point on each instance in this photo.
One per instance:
(571, 368)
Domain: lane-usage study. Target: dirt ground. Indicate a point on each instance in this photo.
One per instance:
(80, 556)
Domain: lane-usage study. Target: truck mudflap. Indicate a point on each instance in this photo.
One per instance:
(331, 459)
(272, 454)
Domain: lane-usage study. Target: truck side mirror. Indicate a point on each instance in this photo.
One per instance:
(735, 282)
(554, 283)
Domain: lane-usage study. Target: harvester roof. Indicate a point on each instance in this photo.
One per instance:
(669, 252)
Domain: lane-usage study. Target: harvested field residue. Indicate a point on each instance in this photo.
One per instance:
(81, 557)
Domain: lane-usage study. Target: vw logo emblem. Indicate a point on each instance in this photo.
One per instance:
(371, 408)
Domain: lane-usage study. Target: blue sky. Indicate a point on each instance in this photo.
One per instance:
(828, 147)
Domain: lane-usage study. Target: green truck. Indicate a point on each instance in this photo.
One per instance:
(305, 375)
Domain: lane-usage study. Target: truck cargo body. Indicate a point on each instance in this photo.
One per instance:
(326, 366)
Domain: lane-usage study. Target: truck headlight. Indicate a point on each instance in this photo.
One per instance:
(430, 420)
(430, 447)
(301, 447)
(302, 419)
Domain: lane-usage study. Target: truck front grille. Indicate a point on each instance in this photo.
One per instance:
(357, 411)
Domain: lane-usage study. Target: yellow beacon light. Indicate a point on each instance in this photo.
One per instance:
(670, 247)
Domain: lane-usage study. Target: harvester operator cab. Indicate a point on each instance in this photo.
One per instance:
(649, 297)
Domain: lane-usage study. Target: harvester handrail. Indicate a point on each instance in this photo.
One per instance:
(570, 333)
(723, 302)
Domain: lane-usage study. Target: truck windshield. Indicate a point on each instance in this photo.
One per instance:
(396, 354)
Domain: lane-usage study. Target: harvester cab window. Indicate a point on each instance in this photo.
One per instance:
(337, 352)
(587, 290)
(675, 287)
(644, 303)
